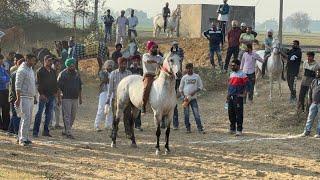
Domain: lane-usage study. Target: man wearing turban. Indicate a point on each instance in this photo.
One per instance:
(70, 84)
(150, 63)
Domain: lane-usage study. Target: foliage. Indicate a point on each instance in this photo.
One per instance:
(299, 21)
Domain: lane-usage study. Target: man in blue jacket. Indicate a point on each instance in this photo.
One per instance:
(215, 38)
(4, 96)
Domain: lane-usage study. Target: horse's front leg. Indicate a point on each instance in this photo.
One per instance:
(114, 131)
(170, 116)
(271, 87)
(158, 133)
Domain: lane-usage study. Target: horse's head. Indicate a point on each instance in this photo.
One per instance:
(172, 64)
(276, 46)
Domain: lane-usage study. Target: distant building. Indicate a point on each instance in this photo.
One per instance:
(196, 18)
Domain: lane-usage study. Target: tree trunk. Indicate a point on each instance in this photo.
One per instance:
(74, 24)
(95, 19)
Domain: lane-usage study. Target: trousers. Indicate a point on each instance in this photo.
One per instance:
(25, 109)
(147, 84)
(69, 112)
(100, 112)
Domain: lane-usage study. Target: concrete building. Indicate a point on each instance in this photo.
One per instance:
(196, 18)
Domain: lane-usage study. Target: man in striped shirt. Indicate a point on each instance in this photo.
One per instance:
(238, 82)
(115, 77)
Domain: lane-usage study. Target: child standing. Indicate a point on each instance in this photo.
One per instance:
(191, 83)
(104, 87)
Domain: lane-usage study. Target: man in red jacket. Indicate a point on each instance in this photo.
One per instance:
(233, 43)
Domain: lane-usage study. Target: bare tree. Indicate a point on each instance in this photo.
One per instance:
(299, 21)
(76, 7)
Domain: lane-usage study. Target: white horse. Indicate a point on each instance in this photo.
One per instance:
(274, 68)
(162, 98)
(172, 22)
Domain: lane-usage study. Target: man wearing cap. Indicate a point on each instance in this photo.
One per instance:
(121, 23)
(165, 14)
(268, 49)
(47, 88)
(132, 23)
(70, 85)
(150, 63)
(233, 43)
(244, 29)
(108, 21)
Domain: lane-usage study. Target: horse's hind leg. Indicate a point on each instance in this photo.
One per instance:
(158, 133)
(134, 115)
(279, 84)
(114, 131)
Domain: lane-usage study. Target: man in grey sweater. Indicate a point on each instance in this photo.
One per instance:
(26, 92)
(314, 99)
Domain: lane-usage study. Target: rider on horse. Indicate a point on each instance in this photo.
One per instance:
(268, 48)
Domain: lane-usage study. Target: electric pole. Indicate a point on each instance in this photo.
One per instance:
(280, 22)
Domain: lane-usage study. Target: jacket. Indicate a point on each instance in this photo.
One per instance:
(25, 81)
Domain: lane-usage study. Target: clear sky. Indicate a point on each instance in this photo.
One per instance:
(265, 9)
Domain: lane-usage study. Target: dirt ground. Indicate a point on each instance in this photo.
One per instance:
(269, 148)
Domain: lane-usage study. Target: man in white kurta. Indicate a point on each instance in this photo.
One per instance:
(121, 23)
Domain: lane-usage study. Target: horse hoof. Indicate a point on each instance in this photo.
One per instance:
(113, 145)
(167, 152)
(134, 146)
(157, 152)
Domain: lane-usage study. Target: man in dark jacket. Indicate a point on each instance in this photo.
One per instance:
(233, 43)
(108, 20)
(116, 54)
(223, 17)
(293, 67)
(215, 38)
(165, 14)
(47, 88)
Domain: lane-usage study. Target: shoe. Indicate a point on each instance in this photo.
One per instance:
(232, 132)
(175, 128)
(70, 136)
(139, 128)
(201, 131)
(63, 133)
(24, 143)
(239, 133)
(143, 110)
(305, 134)
(188, 130)
(28, 142)
(58, 127)
(97, 129)
(46, 134)
(35, 135)
(317, 136)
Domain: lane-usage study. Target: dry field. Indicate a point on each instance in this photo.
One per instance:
(269, 148)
